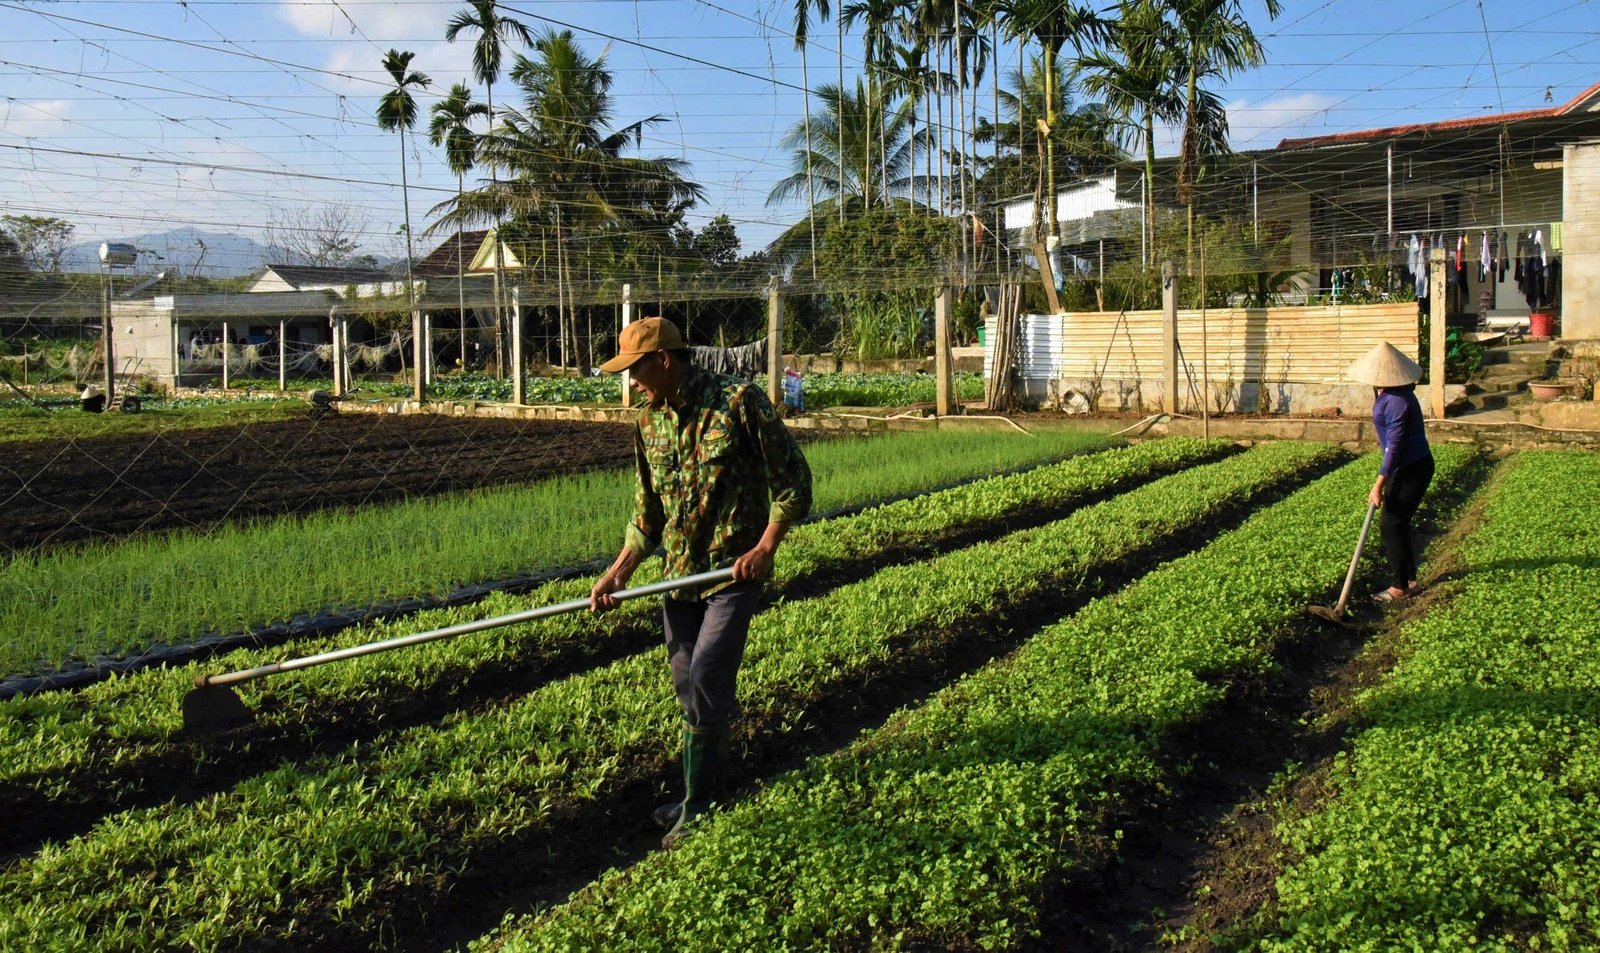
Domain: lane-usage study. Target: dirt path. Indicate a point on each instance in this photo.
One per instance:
(62, 491)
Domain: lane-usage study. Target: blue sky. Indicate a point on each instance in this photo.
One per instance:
(279, 92)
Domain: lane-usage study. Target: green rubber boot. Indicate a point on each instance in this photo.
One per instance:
(704, 751)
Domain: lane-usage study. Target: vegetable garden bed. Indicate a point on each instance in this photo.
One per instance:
(121, 598)
(1464, 811)
(117, 745)
(946, 828)
(336, 848)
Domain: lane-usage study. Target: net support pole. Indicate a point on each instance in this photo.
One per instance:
(627, 319)
(1436, 323)
(944, 393)
(1169, 338)
(774, 344)
(283, 354)
(519, 367)
(227, 352)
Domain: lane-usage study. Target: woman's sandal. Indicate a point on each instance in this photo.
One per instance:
(1386, 597)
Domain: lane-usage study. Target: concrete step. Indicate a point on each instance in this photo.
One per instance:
(1499, 385)
(1496, 401)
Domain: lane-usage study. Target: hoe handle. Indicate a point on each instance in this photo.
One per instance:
(1350, 577)
(495, 622)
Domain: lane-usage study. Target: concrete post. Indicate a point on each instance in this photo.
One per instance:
(177, 355)
(1169, 338)
(106, 341)
(283, 354)
(627, 319)
(1436, 323)
(227, 352)
(419, 350)
(519, 367)
(774, 344)
(333, 336)
(943, 384)
(427, 349)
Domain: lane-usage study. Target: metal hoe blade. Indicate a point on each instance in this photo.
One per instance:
(212, 710)
(1335, 612)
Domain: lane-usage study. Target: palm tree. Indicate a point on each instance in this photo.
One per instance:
(397, 112)
(1053, 24)
(802, 22)
(451, 127)
(1217, 42)
(848, 180)
(567, 175)
(488, 53)
(1085, 136)
(1134, 76)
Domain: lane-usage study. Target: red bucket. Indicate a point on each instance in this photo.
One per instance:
(1542, 324)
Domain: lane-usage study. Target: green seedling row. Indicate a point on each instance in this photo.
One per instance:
(119, 598)
(1465, 814)
(294, 851)
(944, 828)
(52, 734)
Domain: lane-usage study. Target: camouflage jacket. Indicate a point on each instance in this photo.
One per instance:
(712, 473)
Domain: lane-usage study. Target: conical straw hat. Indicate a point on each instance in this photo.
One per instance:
(1384, 366)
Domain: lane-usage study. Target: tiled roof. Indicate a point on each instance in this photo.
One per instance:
(442, 261)
(1584, 101)
(301, 275)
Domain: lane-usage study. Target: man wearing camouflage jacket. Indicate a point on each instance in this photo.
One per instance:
(720, 480)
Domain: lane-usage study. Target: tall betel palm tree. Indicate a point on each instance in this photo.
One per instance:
(802, 23)
(451, 127)
(849, 180)
(1217, 42)
(397, 112)
(1134, 75)
(495, 31)
(1053, 24)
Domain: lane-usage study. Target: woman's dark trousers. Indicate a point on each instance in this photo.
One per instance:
(1402, 494)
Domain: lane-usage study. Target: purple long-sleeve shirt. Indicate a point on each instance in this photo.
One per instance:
(1397, 418)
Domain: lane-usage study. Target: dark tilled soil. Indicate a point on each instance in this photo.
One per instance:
(64, 491)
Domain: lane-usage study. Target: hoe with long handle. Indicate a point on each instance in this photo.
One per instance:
(1335, 612)
(211, 706)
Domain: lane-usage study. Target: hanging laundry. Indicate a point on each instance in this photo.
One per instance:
(1419, 270)
(1483, 257)
(1505, 253)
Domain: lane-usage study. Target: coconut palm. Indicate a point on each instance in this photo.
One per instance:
(566, 175)
(451, 127)
(495, 33)
(397, 112)
(848, 180)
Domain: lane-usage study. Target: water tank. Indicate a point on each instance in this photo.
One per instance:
(117, 254)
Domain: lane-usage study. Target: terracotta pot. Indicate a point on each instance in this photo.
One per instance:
(1548, 390)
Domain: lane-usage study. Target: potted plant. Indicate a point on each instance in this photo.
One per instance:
(1548, 390)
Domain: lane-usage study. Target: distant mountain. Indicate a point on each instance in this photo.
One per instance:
(180, 250)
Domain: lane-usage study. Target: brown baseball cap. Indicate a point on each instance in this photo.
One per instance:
(643, 337)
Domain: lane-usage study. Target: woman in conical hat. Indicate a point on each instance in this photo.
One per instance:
(1407, 466)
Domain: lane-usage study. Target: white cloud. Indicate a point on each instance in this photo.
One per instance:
(37, 119)
(381, 23)
(1257, 125)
